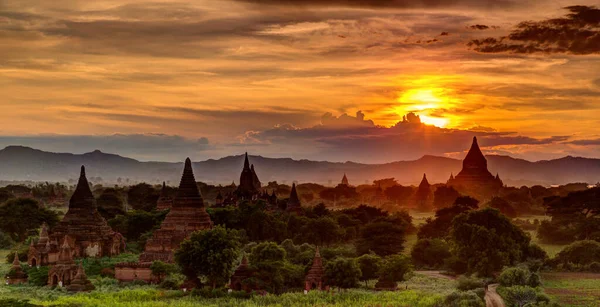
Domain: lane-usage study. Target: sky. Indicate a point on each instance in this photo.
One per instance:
(370, 81)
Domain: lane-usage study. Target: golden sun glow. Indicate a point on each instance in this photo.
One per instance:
(424, 101)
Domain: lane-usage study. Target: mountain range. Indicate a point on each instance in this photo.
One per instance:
(19, 163)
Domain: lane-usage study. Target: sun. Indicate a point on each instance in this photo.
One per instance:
(423, 101)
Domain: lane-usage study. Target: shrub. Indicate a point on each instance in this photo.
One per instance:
(172, 282)
(466, 283)
(594, 267)
(209, 292)
(15, 303)
(518, 276)
(463, 299)
(37, 276)
(524, 296)
(22, 255)
(6, 241)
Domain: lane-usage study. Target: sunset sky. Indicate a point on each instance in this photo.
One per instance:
(314, 79)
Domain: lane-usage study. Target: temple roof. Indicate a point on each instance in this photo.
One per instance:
(345, 179)
(246, 162)
(187, 185)
(475, 158)
(293, 200)
(424, 183)
(82, 197)
(16, 261)
(316, 271)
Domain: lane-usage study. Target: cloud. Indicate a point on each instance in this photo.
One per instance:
(576, 33)
(386, 3)
(354, 138)
(586, 142)
(479, 27)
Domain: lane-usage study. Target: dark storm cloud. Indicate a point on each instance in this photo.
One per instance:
(479, 27)
(576, 33)
(388, 3)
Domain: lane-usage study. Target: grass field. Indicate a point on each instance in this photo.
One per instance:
(573, 289)
(419, 290)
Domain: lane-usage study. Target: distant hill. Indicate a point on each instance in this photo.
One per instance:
(18, 163)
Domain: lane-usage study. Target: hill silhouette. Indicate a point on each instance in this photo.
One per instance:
(19, 163)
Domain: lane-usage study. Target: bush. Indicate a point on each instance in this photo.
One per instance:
(594, 267)
(466, 283)
(519, 277)
(37, 276)
(10, 257)
(524, 296)
(15, 303)
(172, 282)
(463, 299)
(209, 292)
(6, 242)
(430, 253)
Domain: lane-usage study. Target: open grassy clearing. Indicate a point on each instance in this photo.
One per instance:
(573, 289)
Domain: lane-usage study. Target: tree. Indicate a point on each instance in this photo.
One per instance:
(161, 269)
(142, 196)
(20, 216)
(322, 231)
(574, 217)
(370, 265)
(439, 227)
(398, 193)
(135, 223)
(444, 196)
(395, 268)
(209, 253)
(488, 241)
(517, 276)
(382, 238)
(110, 204)
(430, 253)
(343, 273)
(504, 206)
(580, 253)
(269, 260)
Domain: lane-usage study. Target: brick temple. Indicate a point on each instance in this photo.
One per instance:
(187, 215)
(475, 176)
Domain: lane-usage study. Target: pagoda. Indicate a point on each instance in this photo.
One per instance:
(423, 193)
(315, 279)
(242, 273)
(293, 203)
(16, 275)
(475, 176)
(65, 269)
(80, 282)
(187, 215)
(87, 232)
(249, 188)
(164, 202)
(345, 180)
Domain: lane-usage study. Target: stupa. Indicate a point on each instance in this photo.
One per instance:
(293, 203)
(242, 273)
(475, 176)
(164, 202)
(187, 215)
(16, 275)
(80, 282)
(315, 279)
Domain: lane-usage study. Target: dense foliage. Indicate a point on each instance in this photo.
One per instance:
(21, 217)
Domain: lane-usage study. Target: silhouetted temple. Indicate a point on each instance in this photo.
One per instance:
(293, 203)
(249, 188)
(345, 180)
(474, 175)
(87, 232)
(187, 215)
(164, 202)
(315, 279)
(422, 195)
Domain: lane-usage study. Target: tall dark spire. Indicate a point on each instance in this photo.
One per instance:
(424, 183)
(475, 158)
(246, 162)
(187, 185)
(82, 197)
(293, 202)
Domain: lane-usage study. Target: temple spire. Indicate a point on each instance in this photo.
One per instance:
(16, 261)
(187, 185)
(246, 162)
(82, 197)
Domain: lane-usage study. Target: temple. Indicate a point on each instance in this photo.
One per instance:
(164, 202)
(293, 203)
(474, 176)
(315, 279)
(187, 215)
(64, 271)
(345, 180)
(80, 282)
(423, 193)
(250, 186)
(242, 273)
(86, 231)
(16, 275)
